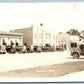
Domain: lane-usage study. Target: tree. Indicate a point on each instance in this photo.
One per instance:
(73, 32)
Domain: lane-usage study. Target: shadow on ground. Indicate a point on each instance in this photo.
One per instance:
(75, 59)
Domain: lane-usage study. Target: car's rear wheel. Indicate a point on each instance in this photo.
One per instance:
(75, 55)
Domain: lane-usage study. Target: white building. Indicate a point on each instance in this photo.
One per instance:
(65, 41)
(11, 38)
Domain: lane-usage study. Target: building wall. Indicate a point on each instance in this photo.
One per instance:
(27, 35)
(63, 39)
(42, 36)
(66, 39)
(37, 35)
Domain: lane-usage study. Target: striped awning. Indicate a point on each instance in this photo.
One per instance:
(13, 41)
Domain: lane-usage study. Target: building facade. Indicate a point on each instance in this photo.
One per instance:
(63, 41)
(37, 36)
(9, 38)
(67, 41)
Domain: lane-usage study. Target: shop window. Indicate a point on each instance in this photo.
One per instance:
(73, 45)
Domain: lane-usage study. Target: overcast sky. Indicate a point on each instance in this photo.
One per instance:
(61, 16)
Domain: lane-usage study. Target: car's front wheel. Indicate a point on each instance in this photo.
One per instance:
(75, 55)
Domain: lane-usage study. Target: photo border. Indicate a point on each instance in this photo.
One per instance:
(5, 81)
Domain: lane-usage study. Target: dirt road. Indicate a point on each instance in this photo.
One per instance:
(30, 60)
(50, 64)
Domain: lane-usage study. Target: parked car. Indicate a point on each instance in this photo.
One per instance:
(28, 49)
(46, 48)
(58, 48)
(2, 52)
(37, 49)
(19, 49)
(10, 49)
(3, 49)
(77, 51)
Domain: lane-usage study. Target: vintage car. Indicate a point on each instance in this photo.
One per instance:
(77, 50)
(37, 49)
(2, 49)
(19, 49)
(10, 49)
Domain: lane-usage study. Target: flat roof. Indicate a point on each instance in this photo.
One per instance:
(10, 33)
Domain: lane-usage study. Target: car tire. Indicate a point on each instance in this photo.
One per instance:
(75, 55)
(39, 51)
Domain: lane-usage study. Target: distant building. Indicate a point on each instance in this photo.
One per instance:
(74, 38)
(9, 38)
(65, 41)
(37, 36)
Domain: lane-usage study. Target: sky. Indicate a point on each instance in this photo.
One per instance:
(57, 16)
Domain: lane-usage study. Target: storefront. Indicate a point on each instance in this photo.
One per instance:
(10, 38)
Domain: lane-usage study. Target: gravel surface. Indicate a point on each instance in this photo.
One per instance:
(56, 70)
(31, 60)
(50, 64)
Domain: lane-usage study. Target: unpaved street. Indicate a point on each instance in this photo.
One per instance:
(30, 60)
(51, 62)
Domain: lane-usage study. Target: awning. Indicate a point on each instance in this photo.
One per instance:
(6, 40)
(17, 41)
(13, 41)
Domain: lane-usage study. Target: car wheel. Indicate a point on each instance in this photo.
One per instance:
(39, 51)
(75, 55)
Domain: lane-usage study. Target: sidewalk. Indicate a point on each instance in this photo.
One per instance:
(72, 77)
(79, 74)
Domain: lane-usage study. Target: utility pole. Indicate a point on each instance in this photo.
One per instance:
(41, 24)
